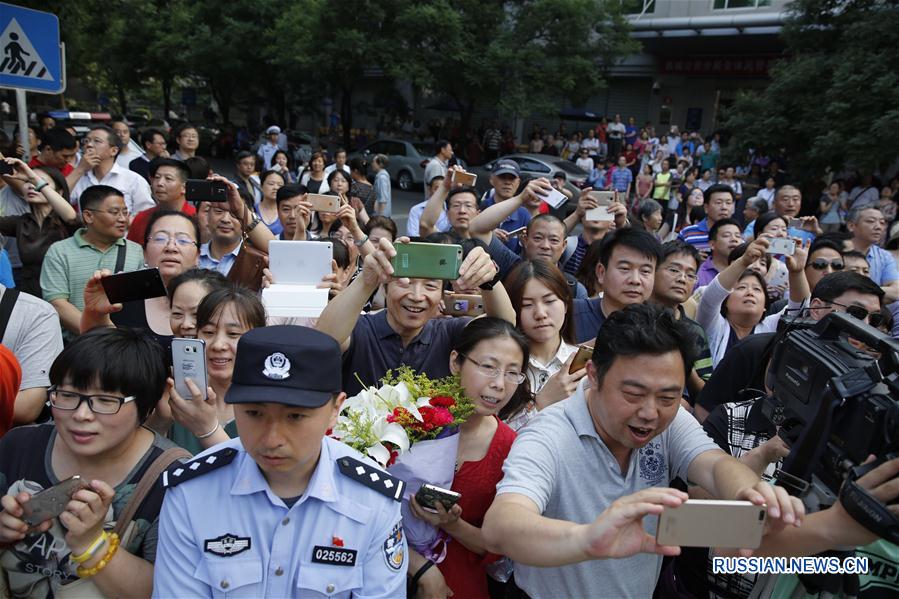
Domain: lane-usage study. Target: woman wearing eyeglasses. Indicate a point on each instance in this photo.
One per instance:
(172, 246)
(490, 358)
(104, 384)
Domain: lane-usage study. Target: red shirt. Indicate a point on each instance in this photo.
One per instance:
(66, 170)
(138, 230)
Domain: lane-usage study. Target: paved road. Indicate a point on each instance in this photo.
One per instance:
(402, 200)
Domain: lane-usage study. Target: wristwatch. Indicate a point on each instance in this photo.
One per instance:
(255, 220)
(360, 242)
(488, 286)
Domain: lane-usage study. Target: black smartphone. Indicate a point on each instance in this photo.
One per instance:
(203, 190)
(429, 495)
(133, 286)
(51, 502)
(6, 169)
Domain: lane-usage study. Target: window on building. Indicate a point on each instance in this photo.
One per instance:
(729, 4)
(638, 7)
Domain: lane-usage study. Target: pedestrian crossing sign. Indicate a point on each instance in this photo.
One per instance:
(30, 53)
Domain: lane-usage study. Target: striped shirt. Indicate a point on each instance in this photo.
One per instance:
(697, 235)
(70, 263)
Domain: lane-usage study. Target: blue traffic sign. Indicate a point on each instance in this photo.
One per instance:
(30, 52)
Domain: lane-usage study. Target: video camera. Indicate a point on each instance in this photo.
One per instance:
(835, 403)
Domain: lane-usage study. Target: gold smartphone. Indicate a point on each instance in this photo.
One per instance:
(463, 304)
(464, 178)
(323, 203)
(712, 523)
(583, 355)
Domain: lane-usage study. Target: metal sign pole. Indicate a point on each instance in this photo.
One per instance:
(22, 110)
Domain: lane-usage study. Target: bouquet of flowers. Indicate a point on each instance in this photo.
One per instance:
(410, 426)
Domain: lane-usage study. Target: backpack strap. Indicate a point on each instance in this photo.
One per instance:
(146, 484)
(6, 307)
(120, 258)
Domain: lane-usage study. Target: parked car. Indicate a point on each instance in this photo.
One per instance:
(407, 160)
(534, 166)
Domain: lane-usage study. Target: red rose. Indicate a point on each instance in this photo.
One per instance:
(441, 417)
(443, 401)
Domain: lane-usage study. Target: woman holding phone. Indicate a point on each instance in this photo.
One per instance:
(205, 419)
(103, 386)
(489, 358)
(543, 307)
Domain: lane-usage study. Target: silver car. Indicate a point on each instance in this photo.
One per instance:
(407, 160)
(534, 166)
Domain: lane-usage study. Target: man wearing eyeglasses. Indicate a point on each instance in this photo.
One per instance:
(675, 277)
(98, 167)
(99, 244)
(744, 365)
(168, 178)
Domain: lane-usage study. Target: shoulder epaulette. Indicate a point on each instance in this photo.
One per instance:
(372, 477)
(178, 473)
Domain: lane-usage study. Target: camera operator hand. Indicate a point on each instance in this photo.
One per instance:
(883, 484)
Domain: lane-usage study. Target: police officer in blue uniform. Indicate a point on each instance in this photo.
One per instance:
(283, 510)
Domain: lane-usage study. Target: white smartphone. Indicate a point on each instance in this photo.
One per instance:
(712, 523)
(555, 198)
(189, 362)
(299, 262)
(604, 199)
(781, 245)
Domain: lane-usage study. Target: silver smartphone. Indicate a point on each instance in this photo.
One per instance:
(604, 199)
(781, 245)
(189, 362)
(712, 523)
(51, 502)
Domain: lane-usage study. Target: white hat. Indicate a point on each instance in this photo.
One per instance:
(273, 129)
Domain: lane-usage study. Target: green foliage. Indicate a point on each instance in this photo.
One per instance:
(834, 99)
(519, 56)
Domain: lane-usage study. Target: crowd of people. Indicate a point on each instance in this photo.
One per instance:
(237, 488)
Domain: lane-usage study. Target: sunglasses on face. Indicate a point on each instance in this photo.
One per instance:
(822, 263)
(875, 319)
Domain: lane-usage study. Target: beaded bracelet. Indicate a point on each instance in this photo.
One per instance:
(113, 547)
(90, 551)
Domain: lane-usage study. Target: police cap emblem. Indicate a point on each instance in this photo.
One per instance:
(277, 367)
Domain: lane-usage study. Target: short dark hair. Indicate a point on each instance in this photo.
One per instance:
(359, 165)
(291, 190)
(636, 239)
(717, 188)
(271, 173)
(713, 230)
(339, 172)
(679, 246)
(159, 214)
(210, 279)
(340, 252)
(198, 167)
(441, 143)
(111, 136)
(820, 244)
(244, 154)
(384, 222)
(115, 360)
(183, 171)
(640, 329)
(94, 195)
(837, 237)
(833, 285)
(483, 329)
(855, 254)
(146, 137)
(57, 139)
(460, 190)
(177, 131)
(764, 220)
